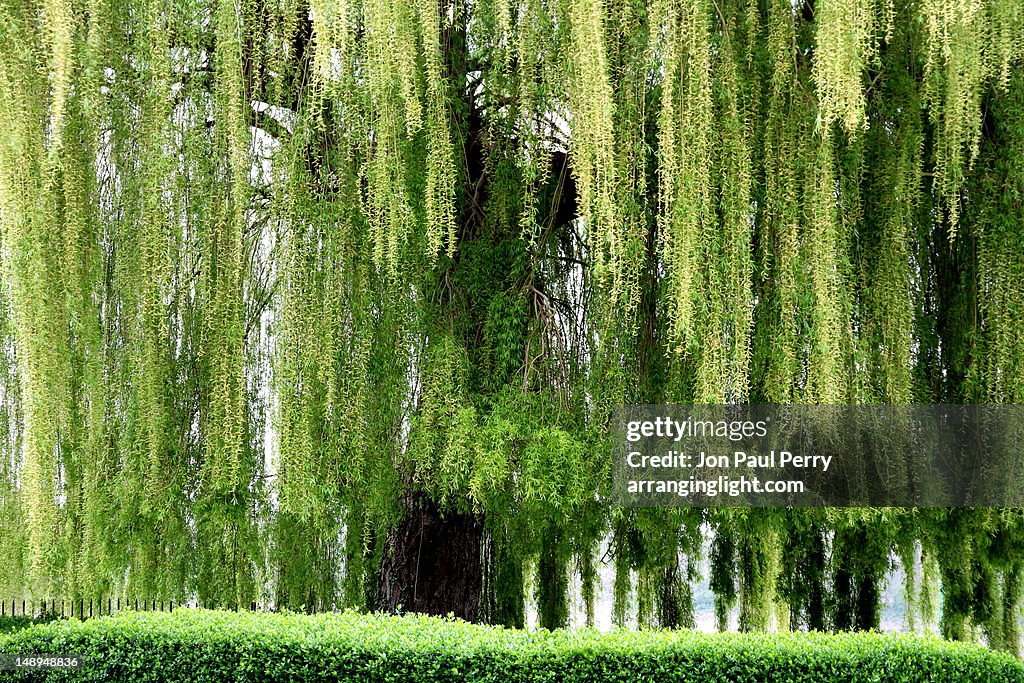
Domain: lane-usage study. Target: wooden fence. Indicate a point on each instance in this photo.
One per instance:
(84, 609)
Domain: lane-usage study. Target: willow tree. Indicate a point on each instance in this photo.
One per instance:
(330, 303)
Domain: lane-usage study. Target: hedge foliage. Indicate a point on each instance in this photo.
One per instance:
(9, 624)
(203, 646)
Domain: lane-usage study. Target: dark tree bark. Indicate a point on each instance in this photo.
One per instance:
(672, 609)
(816, 596)
(431, 564)
(844, 599)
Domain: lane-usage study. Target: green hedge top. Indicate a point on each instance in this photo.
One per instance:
(9, 624)
(198, 645)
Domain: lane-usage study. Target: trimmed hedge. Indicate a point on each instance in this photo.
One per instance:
(10, 624)
(196, 646)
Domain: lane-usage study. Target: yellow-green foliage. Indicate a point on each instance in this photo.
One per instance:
(684, 145)
(824, 250)
(955, 70)
(592, 109)
(845, 36)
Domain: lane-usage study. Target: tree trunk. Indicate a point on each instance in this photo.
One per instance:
(431, 562)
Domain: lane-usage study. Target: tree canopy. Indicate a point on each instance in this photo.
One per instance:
(272, 266)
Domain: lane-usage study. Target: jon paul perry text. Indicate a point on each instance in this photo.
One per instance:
(703, 460)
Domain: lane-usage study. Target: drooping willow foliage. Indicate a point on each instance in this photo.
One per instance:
(271, 265)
